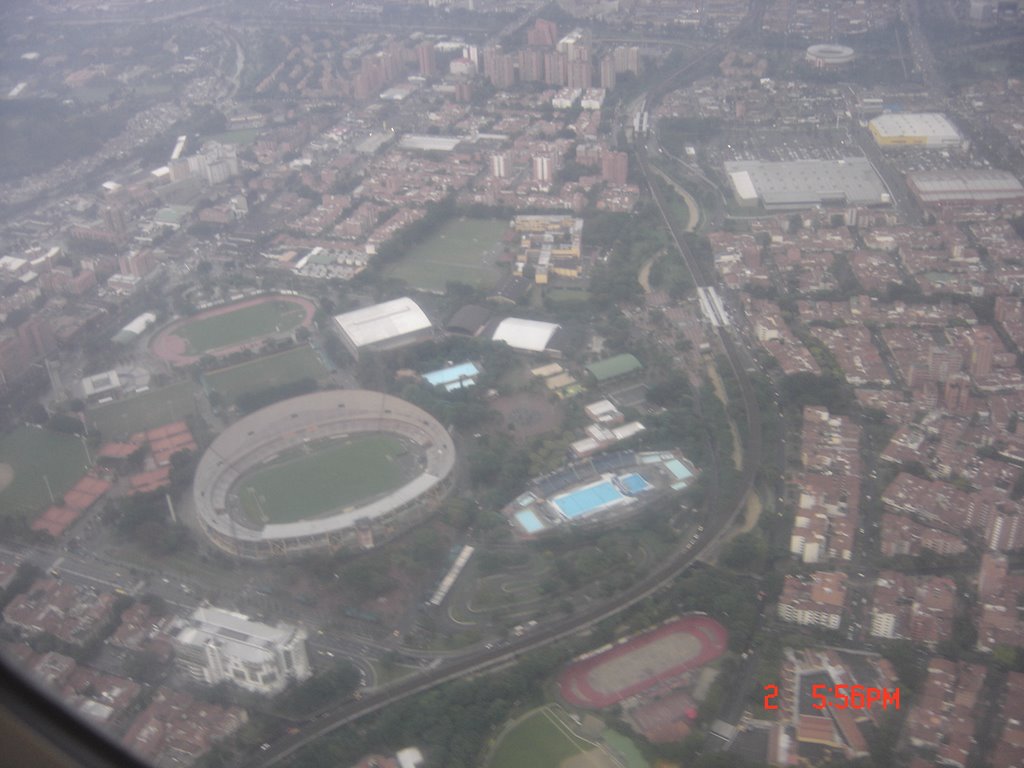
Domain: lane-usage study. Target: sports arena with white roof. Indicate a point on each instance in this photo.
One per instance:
(829, 55)
(261, 437)
(390, 325)
(525, 335)
(928, 130)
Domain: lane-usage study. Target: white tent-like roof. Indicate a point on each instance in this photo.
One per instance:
(525, 335)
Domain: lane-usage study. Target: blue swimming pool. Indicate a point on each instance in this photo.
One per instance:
(586, 500)
(635, 483)
(529, 520)
(678, 469)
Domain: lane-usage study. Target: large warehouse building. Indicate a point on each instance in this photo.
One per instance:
(927, 130)
(391, 325)
(967, 186)
(796, 184)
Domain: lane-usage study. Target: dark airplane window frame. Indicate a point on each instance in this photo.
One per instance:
(37, 729)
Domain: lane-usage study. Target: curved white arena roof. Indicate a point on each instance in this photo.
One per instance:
(371, 325)
(830, 53)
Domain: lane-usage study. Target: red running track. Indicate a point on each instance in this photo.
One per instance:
(574, 685)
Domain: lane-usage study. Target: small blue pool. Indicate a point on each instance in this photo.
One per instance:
(678, 469)
(635, 483)
(529, 520)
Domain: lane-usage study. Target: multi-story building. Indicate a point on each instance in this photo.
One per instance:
(615, 167)
(816, 600)
(550, 244)
(215, 645)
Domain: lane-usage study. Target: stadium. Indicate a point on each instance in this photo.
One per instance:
(241, 323)
(657, 661)
(324, 471)
(829, 56)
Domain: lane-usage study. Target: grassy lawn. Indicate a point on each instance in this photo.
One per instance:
(463, 250)
(202, 334)
(567, 296)
(536, 742)
(31, 452)
(122, 418)
(271, 371)
(385, 674)
(241, 136)
(337, 475)
(625, 748)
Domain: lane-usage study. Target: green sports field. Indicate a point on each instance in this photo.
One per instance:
(271, 371)
(335, 475)
(537, 742)
(121, 418)
(201, 334)
(31, 452)
(463, 250)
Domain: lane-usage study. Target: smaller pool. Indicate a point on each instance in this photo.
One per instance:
(529, 520)
(635, 483)
(678, 469)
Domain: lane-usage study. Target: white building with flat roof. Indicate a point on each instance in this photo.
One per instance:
(391, 325)
(215, 646)
(927, 130)
(796, 184)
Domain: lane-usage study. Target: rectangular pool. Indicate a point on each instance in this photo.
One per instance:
(635, 483)
(586, 500)
(529, 520)
(678, 469)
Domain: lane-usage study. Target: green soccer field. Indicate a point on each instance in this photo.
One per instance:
(272, 371)
(121, 418)
(337, 475)
(538, 742)
(202, 334)
(32, 453)
(463, 250)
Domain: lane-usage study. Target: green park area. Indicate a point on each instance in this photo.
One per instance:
(30, 457)
(241, 136)
(202, 334)
(462, 250)
(277, 370)
(539, 740)
(121, 418)
(322, 478)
